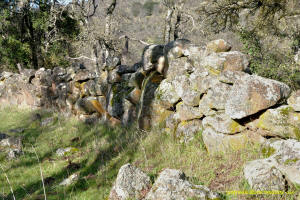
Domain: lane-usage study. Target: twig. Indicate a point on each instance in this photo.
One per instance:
(41, 172)
(8, 182)
(80, 57)
(134, 39)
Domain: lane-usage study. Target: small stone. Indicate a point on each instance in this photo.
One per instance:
(70, 180)
(47, 121)
(131, 182)
(13, 153)
(16, 130)
(63, 151)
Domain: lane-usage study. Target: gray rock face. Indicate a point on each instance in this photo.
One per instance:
(186, 112)
(200, 81)
(215, 98)
(231, 77)
(166, 93)
(287, 156)
(283, 166)
(131, 182)
(216, 142)
(222, 124)
(252, 94)
(177, 67)
(217, 46)
(218, 62)
(186, 130)
(294, 100)
(172, 184)
(283, 122)
(84, 75)
(262, 175)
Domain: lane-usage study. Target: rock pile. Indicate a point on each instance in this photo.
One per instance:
(184, 88)
(170, 184)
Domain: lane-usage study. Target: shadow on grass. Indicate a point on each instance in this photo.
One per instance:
(102, 162)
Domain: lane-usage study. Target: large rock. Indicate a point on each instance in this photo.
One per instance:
(230, 77)
(131, 183)
(217, 46)
(187, 130)
(84, 75)
(263, 175)
(222, 123)
(218, 62)
(186, 112)
(151, 56)
(166, 93)
(216, 142)
(294, 100)
(200, 81)
(252, 94)
(172, 122)
(177, 67)
(282, 122)
(287, 157)
(177, 49)
(280, 169)
(42, 77)
(214, 99)
(172, 184)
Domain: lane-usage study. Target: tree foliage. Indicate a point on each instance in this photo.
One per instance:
(35, 33)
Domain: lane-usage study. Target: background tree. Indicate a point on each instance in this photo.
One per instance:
(36, 34)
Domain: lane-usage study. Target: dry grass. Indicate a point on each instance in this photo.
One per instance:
(99, 152)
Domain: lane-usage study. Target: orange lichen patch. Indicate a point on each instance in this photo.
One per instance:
(98, 106)
(53, 87)
(157, 79)
(135, 95)
(114, 121)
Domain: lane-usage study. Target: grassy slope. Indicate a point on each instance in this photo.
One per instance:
(99, 152)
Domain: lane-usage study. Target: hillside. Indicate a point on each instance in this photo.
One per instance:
(98, 153)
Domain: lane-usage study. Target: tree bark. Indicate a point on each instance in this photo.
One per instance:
(168, 25)
(109, 13)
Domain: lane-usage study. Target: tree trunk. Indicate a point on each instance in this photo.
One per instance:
(109, 12)
(168, 25)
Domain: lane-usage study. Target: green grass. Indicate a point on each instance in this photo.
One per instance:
(100, 152)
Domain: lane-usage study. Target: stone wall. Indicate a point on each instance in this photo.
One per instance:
(183, 88)
(180, 86)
